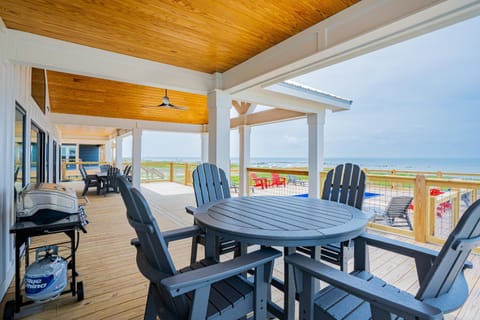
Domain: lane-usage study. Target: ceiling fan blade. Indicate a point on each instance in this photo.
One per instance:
(178, 107)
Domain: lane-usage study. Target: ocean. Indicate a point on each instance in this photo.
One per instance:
(461, 165)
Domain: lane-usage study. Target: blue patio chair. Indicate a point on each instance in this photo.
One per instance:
(345, 184)
(361, 295)
(210, 184)
(203, 290)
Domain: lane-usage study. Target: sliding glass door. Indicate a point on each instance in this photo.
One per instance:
(37, 154)
(19, 156)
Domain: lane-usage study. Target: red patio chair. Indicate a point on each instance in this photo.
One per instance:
(278, 181)
(259, 182)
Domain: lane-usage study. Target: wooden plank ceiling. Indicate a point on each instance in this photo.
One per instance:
(85, 132)
(81, 95)
(208, 36)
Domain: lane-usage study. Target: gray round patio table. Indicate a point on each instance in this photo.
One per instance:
(283, 221)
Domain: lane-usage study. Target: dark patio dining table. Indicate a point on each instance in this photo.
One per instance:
(282, 221)
(102, 178)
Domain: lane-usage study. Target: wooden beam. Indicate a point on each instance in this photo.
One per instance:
(265, 117)
(241, 107)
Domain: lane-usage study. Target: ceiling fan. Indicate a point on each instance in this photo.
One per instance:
(166, 103)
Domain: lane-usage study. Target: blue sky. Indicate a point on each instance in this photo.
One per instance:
(419, 98)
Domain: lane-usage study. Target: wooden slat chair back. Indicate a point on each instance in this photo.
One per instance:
(360, 295)
(111, 181)
(397, 209)
(345, 184)
(210, 184)
(128, 172)
(89, 180)
(277, 180)
(440, 285)
(214, 292)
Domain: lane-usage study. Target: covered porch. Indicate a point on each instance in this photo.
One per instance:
(81, 63)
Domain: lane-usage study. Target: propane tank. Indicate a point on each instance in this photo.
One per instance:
(46, 278)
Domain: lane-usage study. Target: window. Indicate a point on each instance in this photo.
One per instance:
(54, 160)
(37, 155)
(69, 154)
(47, 158)
(19, 156)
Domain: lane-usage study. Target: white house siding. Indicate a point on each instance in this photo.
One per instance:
(15, 86)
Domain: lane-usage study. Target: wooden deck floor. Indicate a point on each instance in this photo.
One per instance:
(114, 289)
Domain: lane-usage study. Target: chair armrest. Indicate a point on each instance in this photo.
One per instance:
(396, 246)
(424, 257)
(135, 242)
(192, 280)
(190, 210)
(182, 233)
(174, 235)
(395, 302)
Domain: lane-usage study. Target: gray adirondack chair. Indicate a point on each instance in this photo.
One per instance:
(89, 180)
(344, 184)
(361, 295)
(210, 184)
(397, 210)
(204, 290)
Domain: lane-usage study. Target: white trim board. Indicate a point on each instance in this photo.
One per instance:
(65, 119)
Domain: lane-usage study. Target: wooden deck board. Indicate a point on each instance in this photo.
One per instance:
(114, 288)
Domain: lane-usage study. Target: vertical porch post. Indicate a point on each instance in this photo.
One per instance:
(316, 135)
(107, 152)
(219, 104)
(244, 132)
(204, 147)
(136, 157)
(118, 151)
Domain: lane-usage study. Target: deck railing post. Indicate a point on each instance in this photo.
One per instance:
(64, 170)
(172, 171)
(420, 219)
(187, 173)
(248, 182)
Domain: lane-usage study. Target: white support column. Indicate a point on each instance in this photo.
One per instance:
(107, 151)
(204, 147)
(316, 136)
(244, 133)
(136, 157)
(219, 104)
(118, 152)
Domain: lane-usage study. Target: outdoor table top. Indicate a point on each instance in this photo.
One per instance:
(282, 220)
